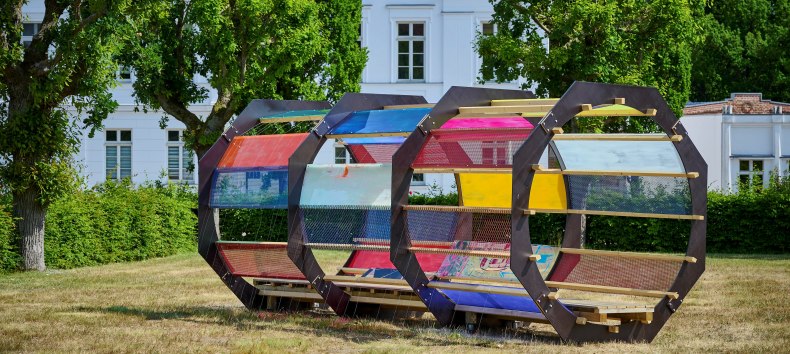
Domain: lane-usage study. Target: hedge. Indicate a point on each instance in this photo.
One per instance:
(114, 222)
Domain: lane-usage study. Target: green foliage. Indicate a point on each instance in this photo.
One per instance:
(254, 224)
(114, 222)
(279, 49)
(626, 41)
(744, 49)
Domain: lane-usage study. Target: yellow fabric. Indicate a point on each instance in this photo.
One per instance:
(611, 110)
(492, 190)
(548, 192)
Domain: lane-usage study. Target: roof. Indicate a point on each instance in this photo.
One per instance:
(738, 103)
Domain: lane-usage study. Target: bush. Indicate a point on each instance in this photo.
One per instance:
(254, 225)
(113, 222)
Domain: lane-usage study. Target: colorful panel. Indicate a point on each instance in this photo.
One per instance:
(638, 156)
(475, 148)
(503, 122)
(491, 190)
(263, 260)
(380, 121)
(373, 153)
(491, 267)
(250, 188)
(495, 301)
(310, 114)
(548, 192)
(347, 185)
(261, 150)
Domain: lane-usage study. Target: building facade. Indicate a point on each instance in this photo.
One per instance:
(744, 139)
(415, 48)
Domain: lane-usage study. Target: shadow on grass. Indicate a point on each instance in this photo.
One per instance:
(317, 323)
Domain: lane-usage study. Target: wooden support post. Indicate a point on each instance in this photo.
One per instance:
(619, 101)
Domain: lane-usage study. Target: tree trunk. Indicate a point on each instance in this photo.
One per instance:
(30, 215)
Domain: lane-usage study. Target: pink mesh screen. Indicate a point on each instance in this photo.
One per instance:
(268, 260)
(646, 274)
(471, 123)
(429, 262)
(373, 153)
(463, 148)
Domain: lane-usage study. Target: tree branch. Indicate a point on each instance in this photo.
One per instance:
(180, 112)
(529, 13)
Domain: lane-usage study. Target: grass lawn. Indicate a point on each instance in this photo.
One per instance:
(177, 304)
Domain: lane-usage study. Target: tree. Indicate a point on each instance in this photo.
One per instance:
(281, 49)
(69, 62)
(554, 43)
(744, 49)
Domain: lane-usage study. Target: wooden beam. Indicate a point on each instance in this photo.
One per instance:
(619, 101)
(526, 102)
(367, 135)
(619, 137)
(354, 279)
(540, 170)
(478, 288)
(414, 304)
(415, 243)
(313, 118)
(474, 253)
(585, 107)
(252, 243)
(611, 290)
(507, 170)
(557, 130)
(615, 213)
(346, 246)
(504, 109)
(405, 106)
(634, 255)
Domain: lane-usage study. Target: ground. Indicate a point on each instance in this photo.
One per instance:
(176, 304)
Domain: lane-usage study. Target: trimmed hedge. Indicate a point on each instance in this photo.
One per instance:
(114, 222)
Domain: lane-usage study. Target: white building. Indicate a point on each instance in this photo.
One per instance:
(414, 48)
(743, 139)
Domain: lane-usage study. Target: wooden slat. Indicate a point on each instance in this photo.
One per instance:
(503, 313)
(526, 102)
(619, 137)
(615, 213)
(506, 170)
(457, 209)
(557, 130)
(313, 118)
(504, 109)
(281, 281)
(478, 288)
(585, 107)
(619, 101)
(292, 294)
(366, 135)
(414, 304)
(636, 255)
(404, 106)
(353, 279)
(606, 307)
(474, 253)
(414, 243)
(611, 290)
(346, 246)
(540, 170)
(253, 243)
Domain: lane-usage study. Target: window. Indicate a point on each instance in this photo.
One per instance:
(180, 160)
(751, 172)
(487, 28)
(118, 154)
(494, 152)
(359, 37)
(418, 179)
(124, 74)
(342, 156)
(411, 51)
(28, 31)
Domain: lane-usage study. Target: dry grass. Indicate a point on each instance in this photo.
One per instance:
(177, 304)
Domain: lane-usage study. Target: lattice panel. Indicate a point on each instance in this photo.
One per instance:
(259, 260)
(464, 148)
(622, 272)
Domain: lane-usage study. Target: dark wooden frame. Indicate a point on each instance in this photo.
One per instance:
(404, 260)
(208, 218)
(563, 320)
(302, 256)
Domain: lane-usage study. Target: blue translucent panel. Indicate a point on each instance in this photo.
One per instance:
(256, 188)
(380, 121)
(347, 185)
(494, 301)
(374, 141)
(636, 156)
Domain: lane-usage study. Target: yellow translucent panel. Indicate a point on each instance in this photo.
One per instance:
(490, 190)
(611, 110)
(548, 192)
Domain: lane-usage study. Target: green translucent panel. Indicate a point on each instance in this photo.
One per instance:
(634, 156)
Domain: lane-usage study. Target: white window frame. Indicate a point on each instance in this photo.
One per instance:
(118, 144)
(123, 70)
(751, 172)
(348, 158)
(184, 176)
(479, 60)
(411, 39)
(415, 179)
(27, 39)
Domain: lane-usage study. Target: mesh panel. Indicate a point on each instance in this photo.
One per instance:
(446, 227)
(660, 195)
(459, 148)
(344, 225)
(373, 153)
(489, 122)
(260, 150)
(259, 260)
(491, 267)
(249, 188)
(646, 274)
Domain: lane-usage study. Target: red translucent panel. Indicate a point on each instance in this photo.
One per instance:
(429, 262)
(464, 148)
(261, 150)
(373, 153)
(499, 122)
(264, 260)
